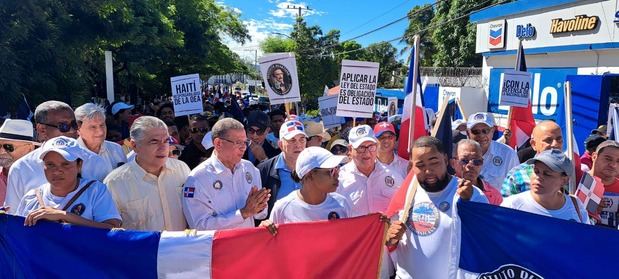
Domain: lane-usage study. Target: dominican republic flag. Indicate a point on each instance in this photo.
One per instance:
(296, 125)
(421, 125)
(497, 242)
(344, 248)
(590, 192)
(444, 129)
(521, 122)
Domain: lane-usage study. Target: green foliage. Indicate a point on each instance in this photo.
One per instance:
(51, 49)
(277, 44)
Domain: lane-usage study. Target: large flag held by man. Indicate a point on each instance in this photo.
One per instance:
(420, 126)
(345, 248)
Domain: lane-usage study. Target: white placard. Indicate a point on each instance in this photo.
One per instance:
(381, 104)
(328, 108)
(279, 72)
(516, 89)
(393, 107)
(186, 94)
(357, 88)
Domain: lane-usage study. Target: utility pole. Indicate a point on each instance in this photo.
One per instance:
(299, 8)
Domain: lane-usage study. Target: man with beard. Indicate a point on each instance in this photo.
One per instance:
(420, 246)
(16, 140)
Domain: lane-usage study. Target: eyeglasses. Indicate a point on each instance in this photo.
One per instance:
(199, 130)
(338, 149)
(244, 143)
(363, 149)
(295, 141)
(484, 131)
(63, 127)
(9, 147)
(258, 132)
(476, 162)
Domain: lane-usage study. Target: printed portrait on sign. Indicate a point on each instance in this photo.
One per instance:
(279, 79)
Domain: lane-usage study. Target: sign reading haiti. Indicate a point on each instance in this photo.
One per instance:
(187, 94)
(496, 34)
(357, 89)
(515, 89)
(279, 72)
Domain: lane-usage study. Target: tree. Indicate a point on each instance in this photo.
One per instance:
(277, 44)
(419, 18)
(385, 54)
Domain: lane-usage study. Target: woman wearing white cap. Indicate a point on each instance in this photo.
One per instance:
(67, 197)
(317, 170)
(552, 170)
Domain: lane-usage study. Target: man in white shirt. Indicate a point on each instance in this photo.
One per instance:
(499, 158)
(421, 245)
(147, 190)
(385, 134)
(53, 119)
(368, 185)
(92, 131)
(225, 191)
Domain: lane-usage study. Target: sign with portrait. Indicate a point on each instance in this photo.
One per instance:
(279, 72)
(186, 94)
(393, 106)
(357, 88)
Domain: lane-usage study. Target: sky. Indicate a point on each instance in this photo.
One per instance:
(264, 18)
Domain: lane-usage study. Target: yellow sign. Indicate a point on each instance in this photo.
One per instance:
(579, 23)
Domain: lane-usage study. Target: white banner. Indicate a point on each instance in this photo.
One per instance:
(279, 72)
(393, 107)
(186, 94)
(381, 104)
(328, 108)
(516, 89)
(357, 88)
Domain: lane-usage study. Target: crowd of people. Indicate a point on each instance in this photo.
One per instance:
(238, 166)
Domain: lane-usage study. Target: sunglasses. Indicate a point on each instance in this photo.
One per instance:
(482, 131)
(338, 149)
(476, 162)
(63, 127)
(175, 152)
(332, 171)
(199, 130)
(9, 147)
(258, 132)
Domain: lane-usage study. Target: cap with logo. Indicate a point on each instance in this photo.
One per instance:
(480, 117)
(290, 129)
(316, 157)
(65, 146)
(383, 127)
(120, 106)
(313, 128)
(556, 160)
(361, 134)
(17, 129)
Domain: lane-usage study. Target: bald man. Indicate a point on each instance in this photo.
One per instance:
(545, 136)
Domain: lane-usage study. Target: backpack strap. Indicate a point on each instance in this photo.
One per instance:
(77, 195)
(576, 207)
(39, 193)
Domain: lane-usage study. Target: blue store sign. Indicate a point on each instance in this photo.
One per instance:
(525, 31)
(546, 93)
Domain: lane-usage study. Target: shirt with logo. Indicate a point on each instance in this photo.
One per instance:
(95, 203)
(292, 208)
(368, 194)
(214, 195)
(498, 161)
(425, 248)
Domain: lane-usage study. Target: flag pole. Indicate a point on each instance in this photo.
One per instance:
(441, 114)
(411, 130)
(569, 130)
(460, 108)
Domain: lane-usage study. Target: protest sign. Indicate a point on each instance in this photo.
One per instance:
(393, 106)
(357, 88)
(515, 89)
(328, 108)
(186, 94)
(381, 104)
(279, 72)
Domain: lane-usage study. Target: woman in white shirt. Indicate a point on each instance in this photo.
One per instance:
(552, 171)
(66, 197)
(317, 170)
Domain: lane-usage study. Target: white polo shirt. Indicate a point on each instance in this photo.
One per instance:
(27, 173)
(425, 248)
(292, 209)
(498, 161)
(95, 203)
(148, 202)
(213, 195)
(368, 194)
(111, 152)
(398, 164)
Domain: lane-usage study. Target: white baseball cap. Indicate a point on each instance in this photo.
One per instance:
(120, 106)
(65, 146)
(480, 117)
(290, 129)
(361, 134)
(316, 157)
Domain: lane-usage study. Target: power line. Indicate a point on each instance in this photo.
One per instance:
(374, 18)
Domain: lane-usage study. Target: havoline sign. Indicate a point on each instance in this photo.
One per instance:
(576, 24)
